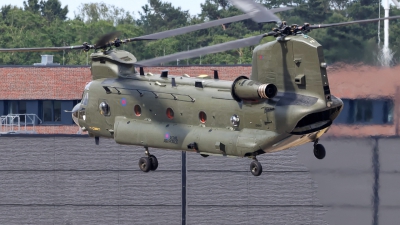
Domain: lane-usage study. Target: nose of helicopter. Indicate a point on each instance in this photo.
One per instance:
(75, 112)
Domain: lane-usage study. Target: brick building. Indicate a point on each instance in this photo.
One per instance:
(40, 94)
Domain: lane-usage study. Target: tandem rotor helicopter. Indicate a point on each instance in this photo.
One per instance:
(285, 102)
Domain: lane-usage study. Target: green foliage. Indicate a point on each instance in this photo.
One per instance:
(44, 23)
(159, 16)
(52, 10)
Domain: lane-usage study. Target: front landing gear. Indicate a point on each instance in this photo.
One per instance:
(255, 168)
(148, 163)
(319, 150)
(145, 164)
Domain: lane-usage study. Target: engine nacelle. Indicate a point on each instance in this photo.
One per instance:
(245, 89)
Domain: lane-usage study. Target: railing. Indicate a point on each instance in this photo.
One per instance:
(18, 123)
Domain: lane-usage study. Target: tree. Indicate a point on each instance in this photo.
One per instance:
(158, 16)
(52, 10)
(314, 11)
(32, 5)
(94, 12)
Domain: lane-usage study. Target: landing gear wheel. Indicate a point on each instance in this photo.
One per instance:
(319, 151)
(145, 164)
(153, 162)
(255, 168)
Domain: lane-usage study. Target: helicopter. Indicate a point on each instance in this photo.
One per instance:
(286, 101)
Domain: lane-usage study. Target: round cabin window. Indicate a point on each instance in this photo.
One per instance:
(138, 110)
(202, 117)
(170, 113)
(104, 108)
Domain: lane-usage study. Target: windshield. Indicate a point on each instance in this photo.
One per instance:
(88, 85)
(85, 98)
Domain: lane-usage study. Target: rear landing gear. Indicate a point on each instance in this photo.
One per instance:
(319, 150)
(255, 168)
(148, 163)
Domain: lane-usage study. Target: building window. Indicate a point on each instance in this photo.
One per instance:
(363, 110)
(366, 111)
(51, 111)
(388, 111)
(15, 107)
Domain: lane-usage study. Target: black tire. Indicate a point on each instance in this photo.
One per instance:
(204, 155)
(255, 168)
(154, 163)
(319, 151)
(145, 164)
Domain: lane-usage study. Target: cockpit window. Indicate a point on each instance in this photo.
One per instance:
(85, 98)
(88, 85)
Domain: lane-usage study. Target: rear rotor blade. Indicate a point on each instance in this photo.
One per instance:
(258, 12)
(206, 50)
(351, 22)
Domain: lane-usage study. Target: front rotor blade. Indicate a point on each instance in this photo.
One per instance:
(352, 22)
(184, 30)
(42, 49)
(107, 38)
(206, 50)
(258, 12)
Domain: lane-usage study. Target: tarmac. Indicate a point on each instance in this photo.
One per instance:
(69, 180)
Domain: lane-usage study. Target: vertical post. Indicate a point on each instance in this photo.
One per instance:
(183, 172)
(200, 56)
(375, 188)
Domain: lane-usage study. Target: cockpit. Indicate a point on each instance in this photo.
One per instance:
(78, 112)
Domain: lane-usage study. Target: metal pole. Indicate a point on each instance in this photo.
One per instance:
(183, 172)
(386, 24)
(375, 188)
(379, 23)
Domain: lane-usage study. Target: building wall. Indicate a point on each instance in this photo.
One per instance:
(70, 180)
(35, 83)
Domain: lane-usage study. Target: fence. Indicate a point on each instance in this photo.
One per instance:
(18, 123)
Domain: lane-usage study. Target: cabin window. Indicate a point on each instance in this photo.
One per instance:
(202, 117)
(104, 109)
(138, 110)
(170, 113)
